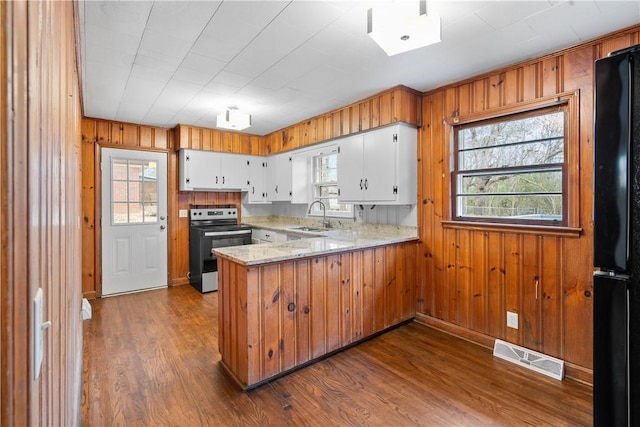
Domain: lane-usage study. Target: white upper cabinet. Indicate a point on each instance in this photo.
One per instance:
(213, 171)
(287, 177)
(379, 166)
(279, 167)
(257, 192)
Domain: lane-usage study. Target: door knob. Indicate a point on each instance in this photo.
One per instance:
(162, 218)
(162, 227)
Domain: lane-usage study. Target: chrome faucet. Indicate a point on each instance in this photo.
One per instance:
(325, 221)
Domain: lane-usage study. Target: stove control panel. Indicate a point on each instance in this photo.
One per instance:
(217, 213)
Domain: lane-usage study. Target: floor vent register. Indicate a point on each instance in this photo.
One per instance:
(533, 360)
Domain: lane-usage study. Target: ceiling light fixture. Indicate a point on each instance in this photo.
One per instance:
(233, 119)
(401, 26)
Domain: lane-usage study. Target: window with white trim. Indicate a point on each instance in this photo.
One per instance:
(512, 169)
(325, 186)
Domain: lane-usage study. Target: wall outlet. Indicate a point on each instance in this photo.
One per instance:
(512, 320)
(183, 213)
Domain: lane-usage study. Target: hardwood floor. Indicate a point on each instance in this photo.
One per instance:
(151, 359)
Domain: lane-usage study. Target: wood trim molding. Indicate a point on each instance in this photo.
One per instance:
(539, 230)
(14, 290)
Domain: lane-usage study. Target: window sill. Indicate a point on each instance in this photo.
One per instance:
(546, 230)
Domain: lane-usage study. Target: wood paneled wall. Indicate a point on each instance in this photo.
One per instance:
(398, 104)
(472, 276)
(40, 209)
(198, 138)
(102, 133)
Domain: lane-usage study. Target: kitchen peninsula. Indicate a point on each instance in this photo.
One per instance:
(283, 305)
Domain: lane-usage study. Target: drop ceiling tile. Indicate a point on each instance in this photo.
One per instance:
(142, 90)
(247, 66)
(220, 88)
(187, 117)
(188, 75)
(232, 79)
(169, 48)
(109, 38)
(181, 19)
(274, 43)
(117, 16)
(157, 74)
(504, 13)
(131, 112)
(307, 18)
(201, 63)
(176, 95)
(109, 56)
(256, 14)
(626, 13)
(292, 66)
(464, 30)
(219, 48)
(158, 62)
(566, 13)
(159, 119)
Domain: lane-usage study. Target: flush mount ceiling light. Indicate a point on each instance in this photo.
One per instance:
(402, 25)
(233, 119)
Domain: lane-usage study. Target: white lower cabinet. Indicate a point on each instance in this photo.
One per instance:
(261, 235)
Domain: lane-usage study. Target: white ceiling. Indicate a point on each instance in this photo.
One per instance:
(162, 63)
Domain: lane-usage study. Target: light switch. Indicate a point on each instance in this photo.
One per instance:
(183, 213)
(39, 327)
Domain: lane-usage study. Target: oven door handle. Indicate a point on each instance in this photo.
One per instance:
(225, 233)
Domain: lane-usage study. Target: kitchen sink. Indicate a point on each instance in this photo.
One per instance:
(305, 228)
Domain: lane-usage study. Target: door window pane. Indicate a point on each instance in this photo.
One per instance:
(134, 191)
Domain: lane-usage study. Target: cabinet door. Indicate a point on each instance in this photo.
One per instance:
(300, 179)
(257, 180)
(234, 174)
(350, 178)
(279, 177)
(201, 169)
(380, 164)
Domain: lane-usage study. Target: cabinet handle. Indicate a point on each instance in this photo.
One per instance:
(216, 179)
(537, 282)
(361, 184)
(366, 184)
(223, 179)
(276, 188)
(253, 190)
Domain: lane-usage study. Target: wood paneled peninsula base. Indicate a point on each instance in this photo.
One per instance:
(284, 305)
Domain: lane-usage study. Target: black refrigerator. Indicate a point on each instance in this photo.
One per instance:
(616, 215)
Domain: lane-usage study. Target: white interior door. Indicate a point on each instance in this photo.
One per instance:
(134, 220)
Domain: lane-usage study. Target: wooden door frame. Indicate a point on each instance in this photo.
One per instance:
(97, 247)
(15, 292)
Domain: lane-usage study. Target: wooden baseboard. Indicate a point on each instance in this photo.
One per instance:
(178, 281)
(575, 372)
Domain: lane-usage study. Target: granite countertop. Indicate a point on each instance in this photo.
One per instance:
(344, 237)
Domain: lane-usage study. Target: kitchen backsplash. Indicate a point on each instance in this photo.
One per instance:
(379, 214)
